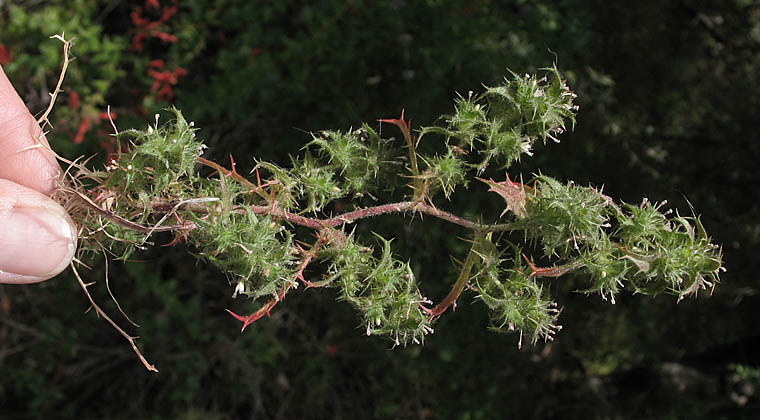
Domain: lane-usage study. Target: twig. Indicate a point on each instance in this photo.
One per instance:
(43, 120)
(157, 225)
(105, 316)
(456, 290)
(297, 219)
(233, 174)
(127, 223)
(108, 287)
(403, 125)
(553, 271)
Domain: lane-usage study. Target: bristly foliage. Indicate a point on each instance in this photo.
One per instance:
(383, 290)
(504, 122)
(516, 299)
(247, 227)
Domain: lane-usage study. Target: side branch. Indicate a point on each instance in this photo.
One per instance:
(456, 290)
(108, 319)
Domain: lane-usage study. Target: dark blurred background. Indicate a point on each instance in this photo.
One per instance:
(669, 96)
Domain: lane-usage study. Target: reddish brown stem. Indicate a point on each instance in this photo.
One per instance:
(553, 271)
(128, 223)
(350, 217)
(264, 310)
(258, 189)
(456, 290)
(400, 207)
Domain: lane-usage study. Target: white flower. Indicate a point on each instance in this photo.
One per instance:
(525, 146)
(240, 288)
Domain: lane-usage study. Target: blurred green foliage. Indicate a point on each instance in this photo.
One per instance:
(667, 100)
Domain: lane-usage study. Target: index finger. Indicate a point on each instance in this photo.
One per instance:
(35, 168)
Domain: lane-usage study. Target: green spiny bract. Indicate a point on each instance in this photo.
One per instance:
(517, 301)
(674, 255)
(566, 218)
(446, 171)
(317, 184)
(335, 165)
(356, 155)
(255, 252)
(606, 269)
(500, 125)
(159, 161)
(383, 290)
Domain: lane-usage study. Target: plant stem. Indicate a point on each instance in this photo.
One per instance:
(128, 223)
(314, 223)
(108, 319)
(403, 125)
(400, 207)
(43, 120)
(456, 290)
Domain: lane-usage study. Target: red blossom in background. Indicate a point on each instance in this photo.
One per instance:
(73, 101)
(84, 126)
(163, 36)
(5, 55)
(151, 28)
(106, 116)
(163, 80)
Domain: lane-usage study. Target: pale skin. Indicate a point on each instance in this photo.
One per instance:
(37, 238)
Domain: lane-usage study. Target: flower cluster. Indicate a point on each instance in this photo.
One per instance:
(163, 80)
(147, 28)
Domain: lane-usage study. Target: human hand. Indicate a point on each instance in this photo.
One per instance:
(37, 237)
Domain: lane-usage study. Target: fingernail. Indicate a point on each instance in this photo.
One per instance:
(36, 242)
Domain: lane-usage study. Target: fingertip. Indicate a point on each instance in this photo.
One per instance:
(39, 238)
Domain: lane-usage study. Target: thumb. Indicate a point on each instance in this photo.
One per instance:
(37, 237)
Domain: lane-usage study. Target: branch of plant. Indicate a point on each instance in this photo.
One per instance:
(247, 231)
(43, 121)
